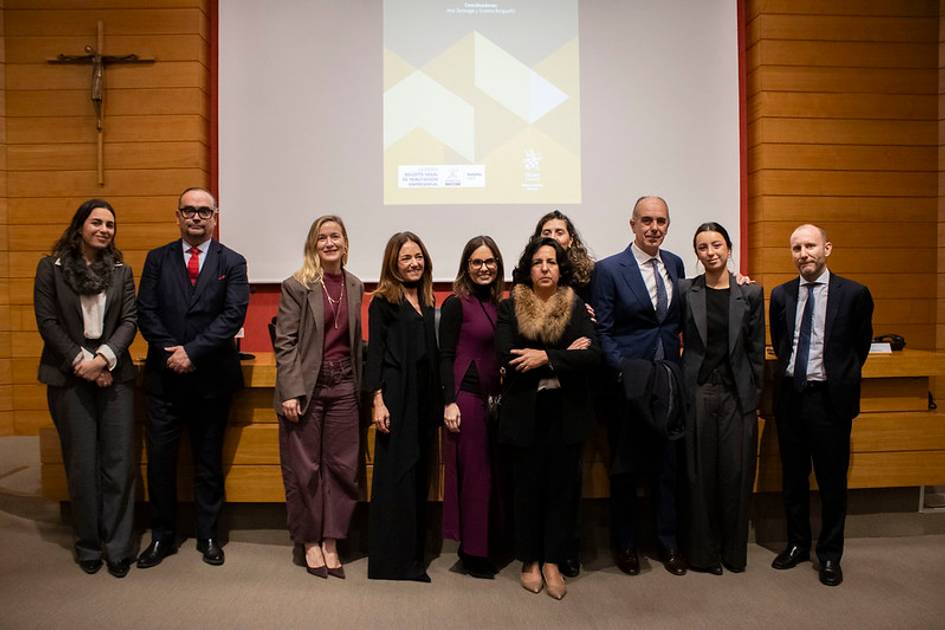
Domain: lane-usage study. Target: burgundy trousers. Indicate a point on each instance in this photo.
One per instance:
(468, 477)
(319, 456)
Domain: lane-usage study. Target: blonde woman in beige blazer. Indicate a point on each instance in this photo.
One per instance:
(318, 379)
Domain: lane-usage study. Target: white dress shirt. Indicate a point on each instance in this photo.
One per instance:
(815, 359)
(649, 279)
(93, 320)
(203, 248)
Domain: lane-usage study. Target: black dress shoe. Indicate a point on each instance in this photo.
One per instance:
(627, 560)
(732, 568)
(570, 567)
(830, 573)
(423, 577)
(119, 569)
(674, 563)
(155, 552)
(478, 567)
(338, 572)
(212, 552)
(90, 566)
(790, 557)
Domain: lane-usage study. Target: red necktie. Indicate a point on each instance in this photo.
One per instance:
(193, 265)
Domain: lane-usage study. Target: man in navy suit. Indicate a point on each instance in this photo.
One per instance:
(191, 304)
(821, 329)
(638, 317)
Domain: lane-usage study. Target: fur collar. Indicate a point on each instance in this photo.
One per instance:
(542, 321)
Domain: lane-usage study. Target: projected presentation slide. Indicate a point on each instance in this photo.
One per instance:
(481, 102)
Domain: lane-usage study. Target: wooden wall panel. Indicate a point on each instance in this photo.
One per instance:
(939, 384)
(844, 131)
(156, 144)
(7, 411)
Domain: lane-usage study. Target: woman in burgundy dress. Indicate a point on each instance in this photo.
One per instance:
(469, 374)
(318, 372)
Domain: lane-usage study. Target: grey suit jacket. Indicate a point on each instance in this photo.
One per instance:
(59, 320)
(300, 337)
(746, 337)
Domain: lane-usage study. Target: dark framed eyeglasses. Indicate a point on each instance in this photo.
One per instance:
(478, 263)
(204, 212)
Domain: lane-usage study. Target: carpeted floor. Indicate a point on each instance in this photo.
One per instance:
(890, 583)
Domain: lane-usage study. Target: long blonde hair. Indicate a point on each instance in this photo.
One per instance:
(311, 270)
(391, 285)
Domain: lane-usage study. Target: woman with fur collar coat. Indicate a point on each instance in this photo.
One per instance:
(547, 347)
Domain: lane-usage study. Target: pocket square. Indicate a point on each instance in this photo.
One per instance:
(223, 277)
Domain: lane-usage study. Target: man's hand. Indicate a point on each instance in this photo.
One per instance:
(179, 362)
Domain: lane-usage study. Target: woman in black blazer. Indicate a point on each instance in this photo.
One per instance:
(402, 374)
(547, 347)
(84, 298)
(723, 358)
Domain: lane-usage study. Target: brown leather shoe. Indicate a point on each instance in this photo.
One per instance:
(673, 561)
(531, 582)
(555, 585)
(627, 560)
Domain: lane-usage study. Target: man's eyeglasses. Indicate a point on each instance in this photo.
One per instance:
(477, 263)
(204, 212)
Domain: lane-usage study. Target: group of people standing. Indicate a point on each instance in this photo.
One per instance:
(518, 384)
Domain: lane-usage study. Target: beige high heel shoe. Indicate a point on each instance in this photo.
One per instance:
(555, 585)
(531, 582)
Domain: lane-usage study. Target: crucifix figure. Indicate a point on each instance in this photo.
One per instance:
(93, 56)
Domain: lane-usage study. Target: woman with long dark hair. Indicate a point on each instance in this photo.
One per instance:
(318, 372)
(723, 359)
(559, 226)
(84, 298)
(402, 375)
(470, 374)
(547, 344)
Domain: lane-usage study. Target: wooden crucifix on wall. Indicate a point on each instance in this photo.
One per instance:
(94, 56)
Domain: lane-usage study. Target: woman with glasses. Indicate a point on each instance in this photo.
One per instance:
(318, 371)
(402, 374)
(723, 359)
(547, 344)
(84, 298)
(469, 374)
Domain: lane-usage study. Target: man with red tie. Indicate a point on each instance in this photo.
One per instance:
(191, 304)
(821, 328)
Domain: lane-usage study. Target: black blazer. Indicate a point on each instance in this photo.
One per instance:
(59, 319)
(202, 318)
(572, 367)
(847, 338)
(746, 337)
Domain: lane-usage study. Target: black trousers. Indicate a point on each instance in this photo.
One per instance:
(655, 461)
(205, 416)
(721, 475)
(546, 481)
(96, 433)
(809, 432)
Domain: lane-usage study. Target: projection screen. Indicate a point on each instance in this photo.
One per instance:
(453, 119)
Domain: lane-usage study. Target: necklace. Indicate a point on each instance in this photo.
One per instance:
(334, 305)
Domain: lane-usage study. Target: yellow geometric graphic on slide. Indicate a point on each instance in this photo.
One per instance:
(509, 81)
(420, 102)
